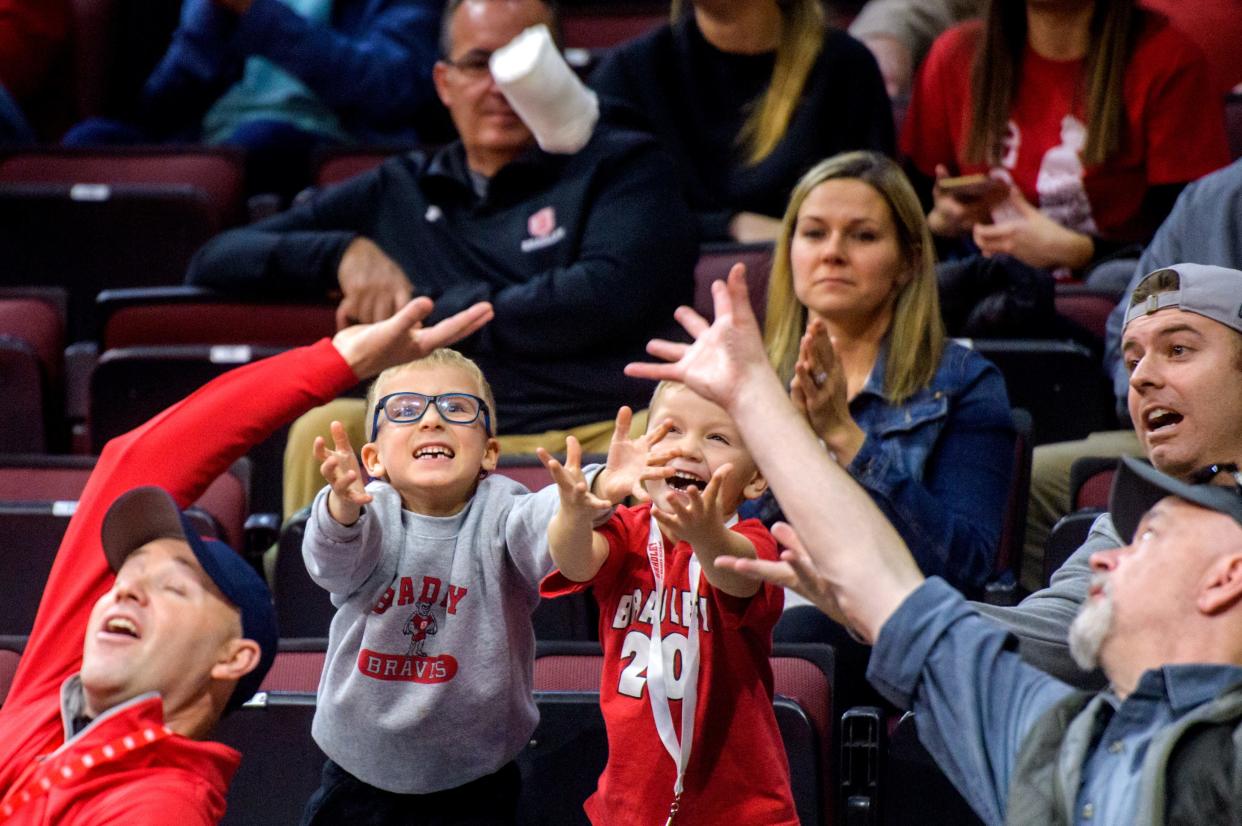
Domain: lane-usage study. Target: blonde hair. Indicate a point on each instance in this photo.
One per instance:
(801, 40)
(916, 335)
(443, 357)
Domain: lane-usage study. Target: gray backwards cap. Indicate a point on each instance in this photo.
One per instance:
(1138, 486)
(1212, 292)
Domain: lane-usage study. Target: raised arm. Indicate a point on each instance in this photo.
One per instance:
(576, 549)
(188, 445)
(857, 550)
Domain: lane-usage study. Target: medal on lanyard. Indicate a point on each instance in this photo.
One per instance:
(657, 689)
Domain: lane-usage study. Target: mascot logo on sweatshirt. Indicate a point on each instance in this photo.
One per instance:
(415, 665)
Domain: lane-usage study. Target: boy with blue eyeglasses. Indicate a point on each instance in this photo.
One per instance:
(425, 698)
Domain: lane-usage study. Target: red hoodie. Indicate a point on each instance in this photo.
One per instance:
(125, 767)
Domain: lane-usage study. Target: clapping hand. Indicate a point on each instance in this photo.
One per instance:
(818, 391)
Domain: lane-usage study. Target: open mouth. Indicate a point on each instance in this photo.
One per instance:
(432, 452)
(121, 626)
(681, 480)
(1160, 417)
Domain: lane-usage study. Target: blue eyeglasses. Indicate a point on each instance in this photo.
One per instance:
(407, 408)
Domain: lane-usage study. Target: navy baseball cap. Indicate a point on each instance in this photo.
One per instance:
(147, 513)
(1138, 486)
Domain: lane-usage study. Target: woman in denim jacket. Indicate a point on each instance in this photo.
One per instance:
(853, 323)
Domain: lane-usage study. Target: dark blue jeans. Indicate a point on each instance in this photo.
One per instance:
(344, 799)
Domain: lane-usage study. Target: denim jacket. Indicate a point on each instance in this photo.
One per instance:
(938, 465)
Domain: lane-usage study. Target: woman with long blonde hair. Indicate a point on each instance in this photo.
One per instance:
(853, 323)
(747, 95)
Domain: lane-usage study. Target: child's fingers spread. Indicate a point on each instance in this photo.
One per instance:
(340, 437)
(663, 457)
(659, 431)
(320, 449)
(622, 430)
(573, 453)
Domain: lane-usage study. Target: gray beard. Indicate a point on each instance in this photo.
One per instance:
(1089, 630)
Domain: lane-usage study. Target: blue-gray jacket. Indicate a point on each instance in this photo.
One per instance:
(938, 465)
(371, 64)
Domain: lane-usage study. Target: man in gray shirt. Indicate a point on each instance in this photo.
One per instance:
(1186, 418)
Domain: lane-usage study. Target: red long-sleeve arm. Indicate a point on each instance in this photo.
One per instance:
(182, 450)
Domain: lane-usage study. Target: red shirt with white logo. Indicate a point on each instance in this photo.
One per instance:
(1173, 130)
(738, 772)
(124, 768)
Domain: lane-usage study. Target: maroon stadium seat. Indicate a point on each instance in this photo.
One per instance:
(10, 653)
(217, 172)
(157, 316)
(1233, 124)
(52, 478)
(1091, 479)
(602, 25)
(335, 167)
(1087, 308)
(1005, 572)
(802, 678)
(32, 345)
(298, 665)
(715, 261)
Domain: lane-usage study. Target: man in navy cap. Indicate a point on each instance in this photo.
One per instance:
(178, 629)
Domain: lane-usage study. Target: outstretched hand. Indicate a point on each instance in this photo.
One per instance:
(726, 355)
(575, 494)
(631, 462)
(370, 348)
(795, 570)
(339, 466)
(696, 517)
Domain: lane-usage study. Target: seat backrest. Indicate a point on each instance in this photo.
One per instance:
(37, 318)
(219, 172)
(281, 765)
(603, 26)
(298, 664)
(87, 238)
(131, 384)
(1067, 536)
(59, 480)
(11, 648)
(1091, 479)
(1233, 124)
(157, 316)
(562, 762)
(24, 403)
(303, 609)
(32, 533)
(715, 261)
(1087, 308)
(802, 679)
(1048, 379)
(916, 791)
(336, 167)
(1013, 527)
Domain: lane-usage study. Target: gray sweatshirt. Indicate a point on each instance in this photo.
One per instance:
(427, 683)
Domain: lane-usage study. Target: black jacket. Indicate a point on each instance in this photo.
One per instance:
(584, 258)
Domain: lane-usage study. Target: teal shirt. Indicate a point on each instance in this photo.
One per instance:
(268, 92)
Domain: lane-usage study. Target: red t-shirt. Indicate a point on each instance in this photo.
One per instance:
(737, 772)
(1174, 129)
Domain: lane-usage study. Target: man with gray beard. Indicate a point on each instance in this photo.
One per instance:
(1162, 743)
(1182, 345)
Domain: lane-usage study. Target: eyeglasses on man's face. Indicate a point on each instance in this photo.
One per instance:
(474, 65)
(407, 408)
